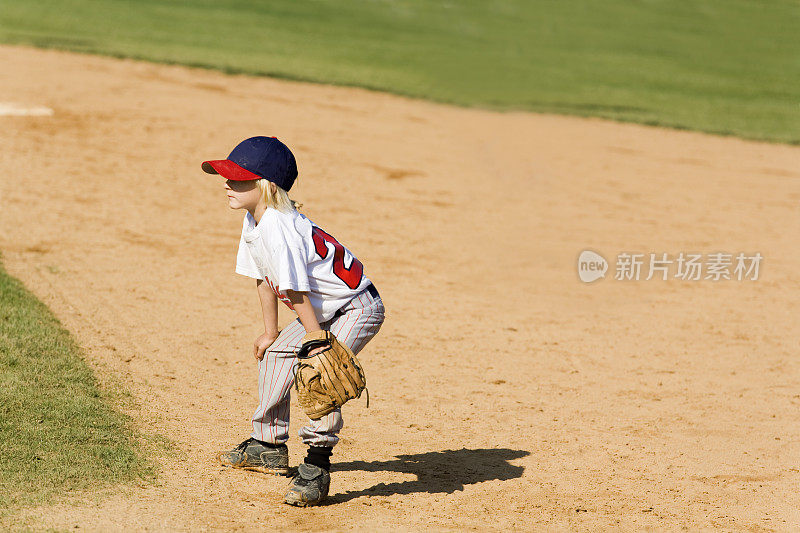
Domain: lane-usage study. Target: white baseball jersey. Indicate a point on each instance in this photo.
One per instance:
(290, 252)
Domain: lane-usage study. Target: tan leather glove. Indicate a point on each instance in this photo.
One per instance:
(329, 378)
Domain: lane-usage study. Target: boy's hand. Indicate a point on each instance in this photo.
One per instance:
(263, 342)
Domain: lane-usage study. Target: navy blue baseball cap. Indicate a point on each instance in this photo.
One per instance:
(256, 158)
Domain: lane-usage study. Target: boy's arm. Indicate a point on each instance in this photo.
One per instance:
(304, 309)
(269, 309)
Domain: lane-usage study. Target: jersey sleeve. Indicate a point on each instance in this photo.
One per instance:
(292, 267)
(244, 261)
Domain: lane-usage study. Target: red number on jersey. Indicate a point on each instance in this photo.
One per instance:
(351, 276)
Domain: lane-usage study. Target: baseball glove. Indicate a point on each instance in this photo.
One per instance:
(329, 378)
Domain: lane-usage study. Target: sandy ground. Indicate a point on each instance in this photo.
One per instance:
(506, 393)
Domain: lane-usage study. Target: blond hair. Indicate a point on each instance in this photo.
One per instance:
(275, 197)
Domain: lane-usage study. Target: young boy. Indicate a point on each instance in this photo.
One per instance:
(294, 261)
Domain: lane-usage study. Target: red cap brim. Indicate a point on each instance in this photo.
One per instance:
(229, 170)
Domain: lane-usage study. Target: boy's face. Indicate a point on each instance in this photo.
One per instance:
(242, 194)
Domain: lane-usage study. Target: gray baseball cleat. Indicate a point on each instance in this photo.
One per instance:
(252, 455)
(309, 487)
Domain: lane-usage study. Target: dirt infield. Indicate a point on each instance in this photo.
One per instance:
(524, 398)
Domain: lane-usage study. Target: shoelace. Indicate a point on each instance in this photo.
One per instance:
(300, 481)
(244, 445)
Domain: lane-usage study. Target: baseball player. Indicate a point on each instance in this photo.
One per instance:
(294, 261)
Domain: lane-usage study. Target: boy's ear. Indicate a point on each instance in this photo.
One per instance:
(273, 188)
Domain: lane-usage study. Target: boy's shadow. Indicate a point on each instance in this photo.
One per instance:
(446, 471)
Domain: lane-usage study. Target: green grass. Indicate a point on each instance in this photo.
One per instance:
(59, 433)
(722, 66)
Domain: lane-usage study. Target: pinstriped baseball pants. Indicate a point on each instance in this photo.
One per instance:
(354, 325)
